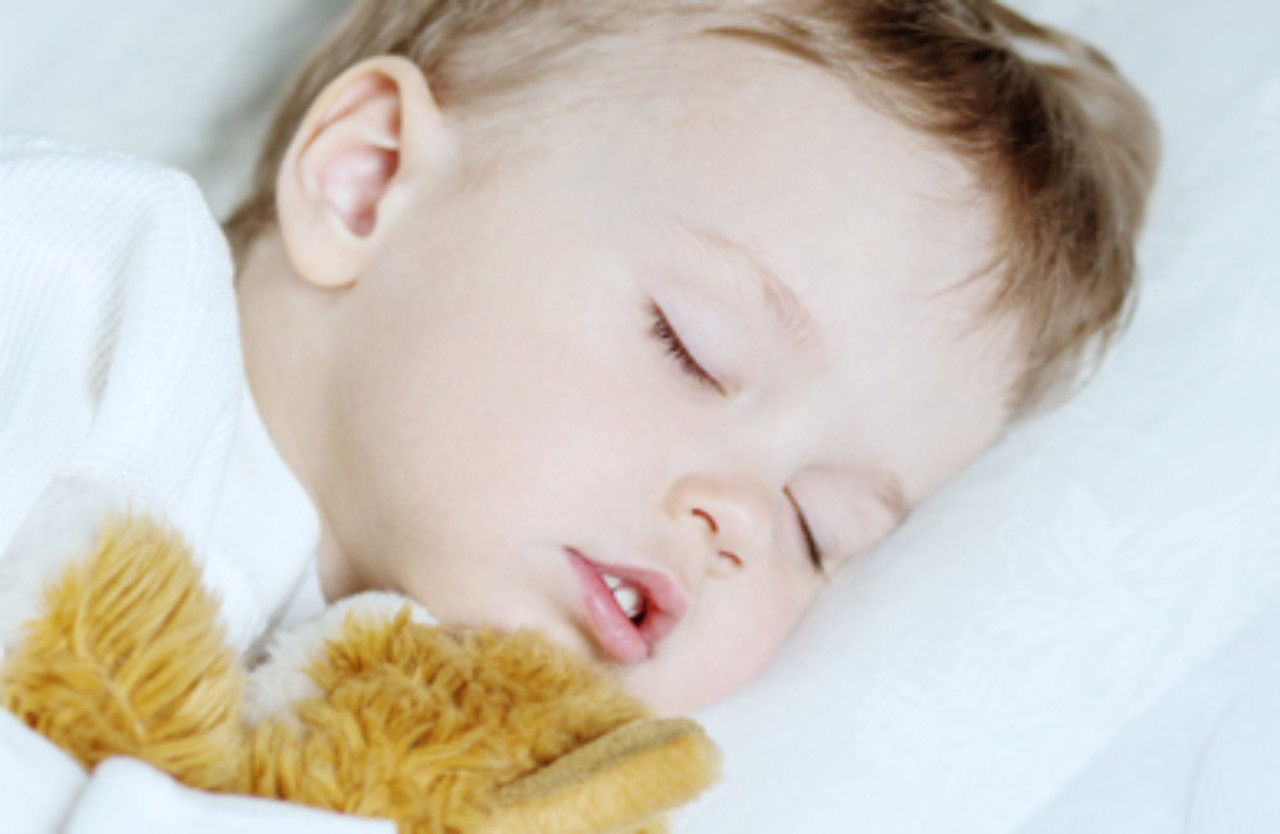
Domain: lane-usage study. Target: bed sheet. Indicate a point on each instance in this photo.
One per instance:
(1048, 625)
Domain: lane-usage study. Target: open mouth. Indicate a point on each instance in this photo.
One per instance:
(628, 609)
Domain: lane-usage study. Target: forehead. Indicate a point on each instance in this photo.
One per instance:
(783, 153)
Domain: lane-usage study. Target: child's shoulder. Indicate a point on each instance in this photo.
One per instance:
(87, 234)
(119, 352)
(59, 184)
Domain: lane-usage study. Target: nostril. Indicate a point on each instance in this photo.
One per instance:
(732, 558)
(706, 516)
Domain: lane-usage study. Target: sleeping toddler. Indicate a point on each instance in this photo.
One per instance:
(629, 322)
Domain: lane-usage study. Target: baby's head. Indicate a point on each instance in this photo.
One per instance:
(694, 299)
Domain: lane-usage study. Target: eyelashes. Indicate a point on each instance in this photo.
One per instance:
(662, 330)
(810, 545)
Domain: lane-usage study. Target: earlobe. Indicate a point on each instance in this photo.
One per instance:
(370, 136)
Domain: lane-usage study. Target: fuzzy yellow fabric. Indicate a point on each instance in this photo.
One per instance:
(639, 760)
(443, 731)
(126, 660)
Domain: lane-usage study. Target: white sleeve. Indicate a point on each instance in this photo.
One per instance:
(118, 332)
(119, 354)
(126, 795)
(119, 367)
(42, 791)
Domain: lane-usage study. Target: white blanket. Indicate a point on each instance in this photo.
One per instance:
(1041, 647)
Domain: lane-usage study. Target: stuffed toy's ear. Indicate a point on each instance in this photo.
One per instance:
(126, 658)
(617, 784)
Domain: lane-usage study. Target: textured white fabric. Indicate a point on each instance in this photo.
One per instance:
(119, 336)
(127, 796)
(121, 385)
(993, 654)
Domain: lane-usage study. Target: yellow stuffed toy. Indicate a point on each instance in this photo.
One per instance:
(440, 730)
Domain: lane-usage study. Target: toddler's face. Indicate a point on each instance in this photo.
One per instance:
(693, 341)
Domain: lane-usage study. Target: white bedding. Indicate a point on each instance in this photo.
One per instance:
(1082, 633)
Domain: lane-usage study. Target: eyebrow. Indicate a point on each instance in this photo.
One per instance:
(788, 311)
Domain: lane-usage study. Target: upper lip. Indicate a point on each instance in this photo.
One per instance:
(666, 602)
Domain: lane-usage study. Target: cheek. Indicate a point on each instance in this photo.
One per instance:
(526, 426)
(731, 639)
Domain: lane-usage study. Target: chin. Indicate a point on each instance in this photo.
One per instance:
(666, 699)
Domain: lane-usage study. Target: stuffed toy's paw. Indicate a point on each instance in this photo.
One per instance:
(442, 730)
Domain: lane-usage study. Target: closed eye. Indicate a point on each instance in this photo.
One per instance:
(662, 330)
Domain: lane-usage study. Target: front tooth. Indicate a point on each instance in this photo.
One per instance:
(629, 600)
(628, 596)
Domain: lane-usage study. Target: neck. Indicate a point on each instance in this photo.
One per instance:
(282, 364)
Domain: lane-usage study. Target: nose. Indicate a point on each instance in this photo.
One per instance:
(729, 517)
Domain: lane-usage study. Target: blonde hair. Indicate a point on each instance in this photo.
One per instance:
(1065, 144)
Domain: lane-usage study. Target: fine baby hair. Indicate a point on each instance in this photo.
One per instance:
(1067, 147)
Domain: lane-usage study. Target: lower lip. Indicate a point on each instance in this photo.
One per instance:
(615, 633)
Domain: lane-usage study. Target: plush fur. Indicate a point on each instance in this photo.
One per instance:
(441, 730)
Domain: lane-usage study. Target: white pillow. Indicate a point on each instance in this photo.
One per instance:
(189, 84)
(957, 678)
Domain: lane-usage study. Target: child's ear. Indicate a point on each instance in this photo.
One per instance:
(371, 135)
